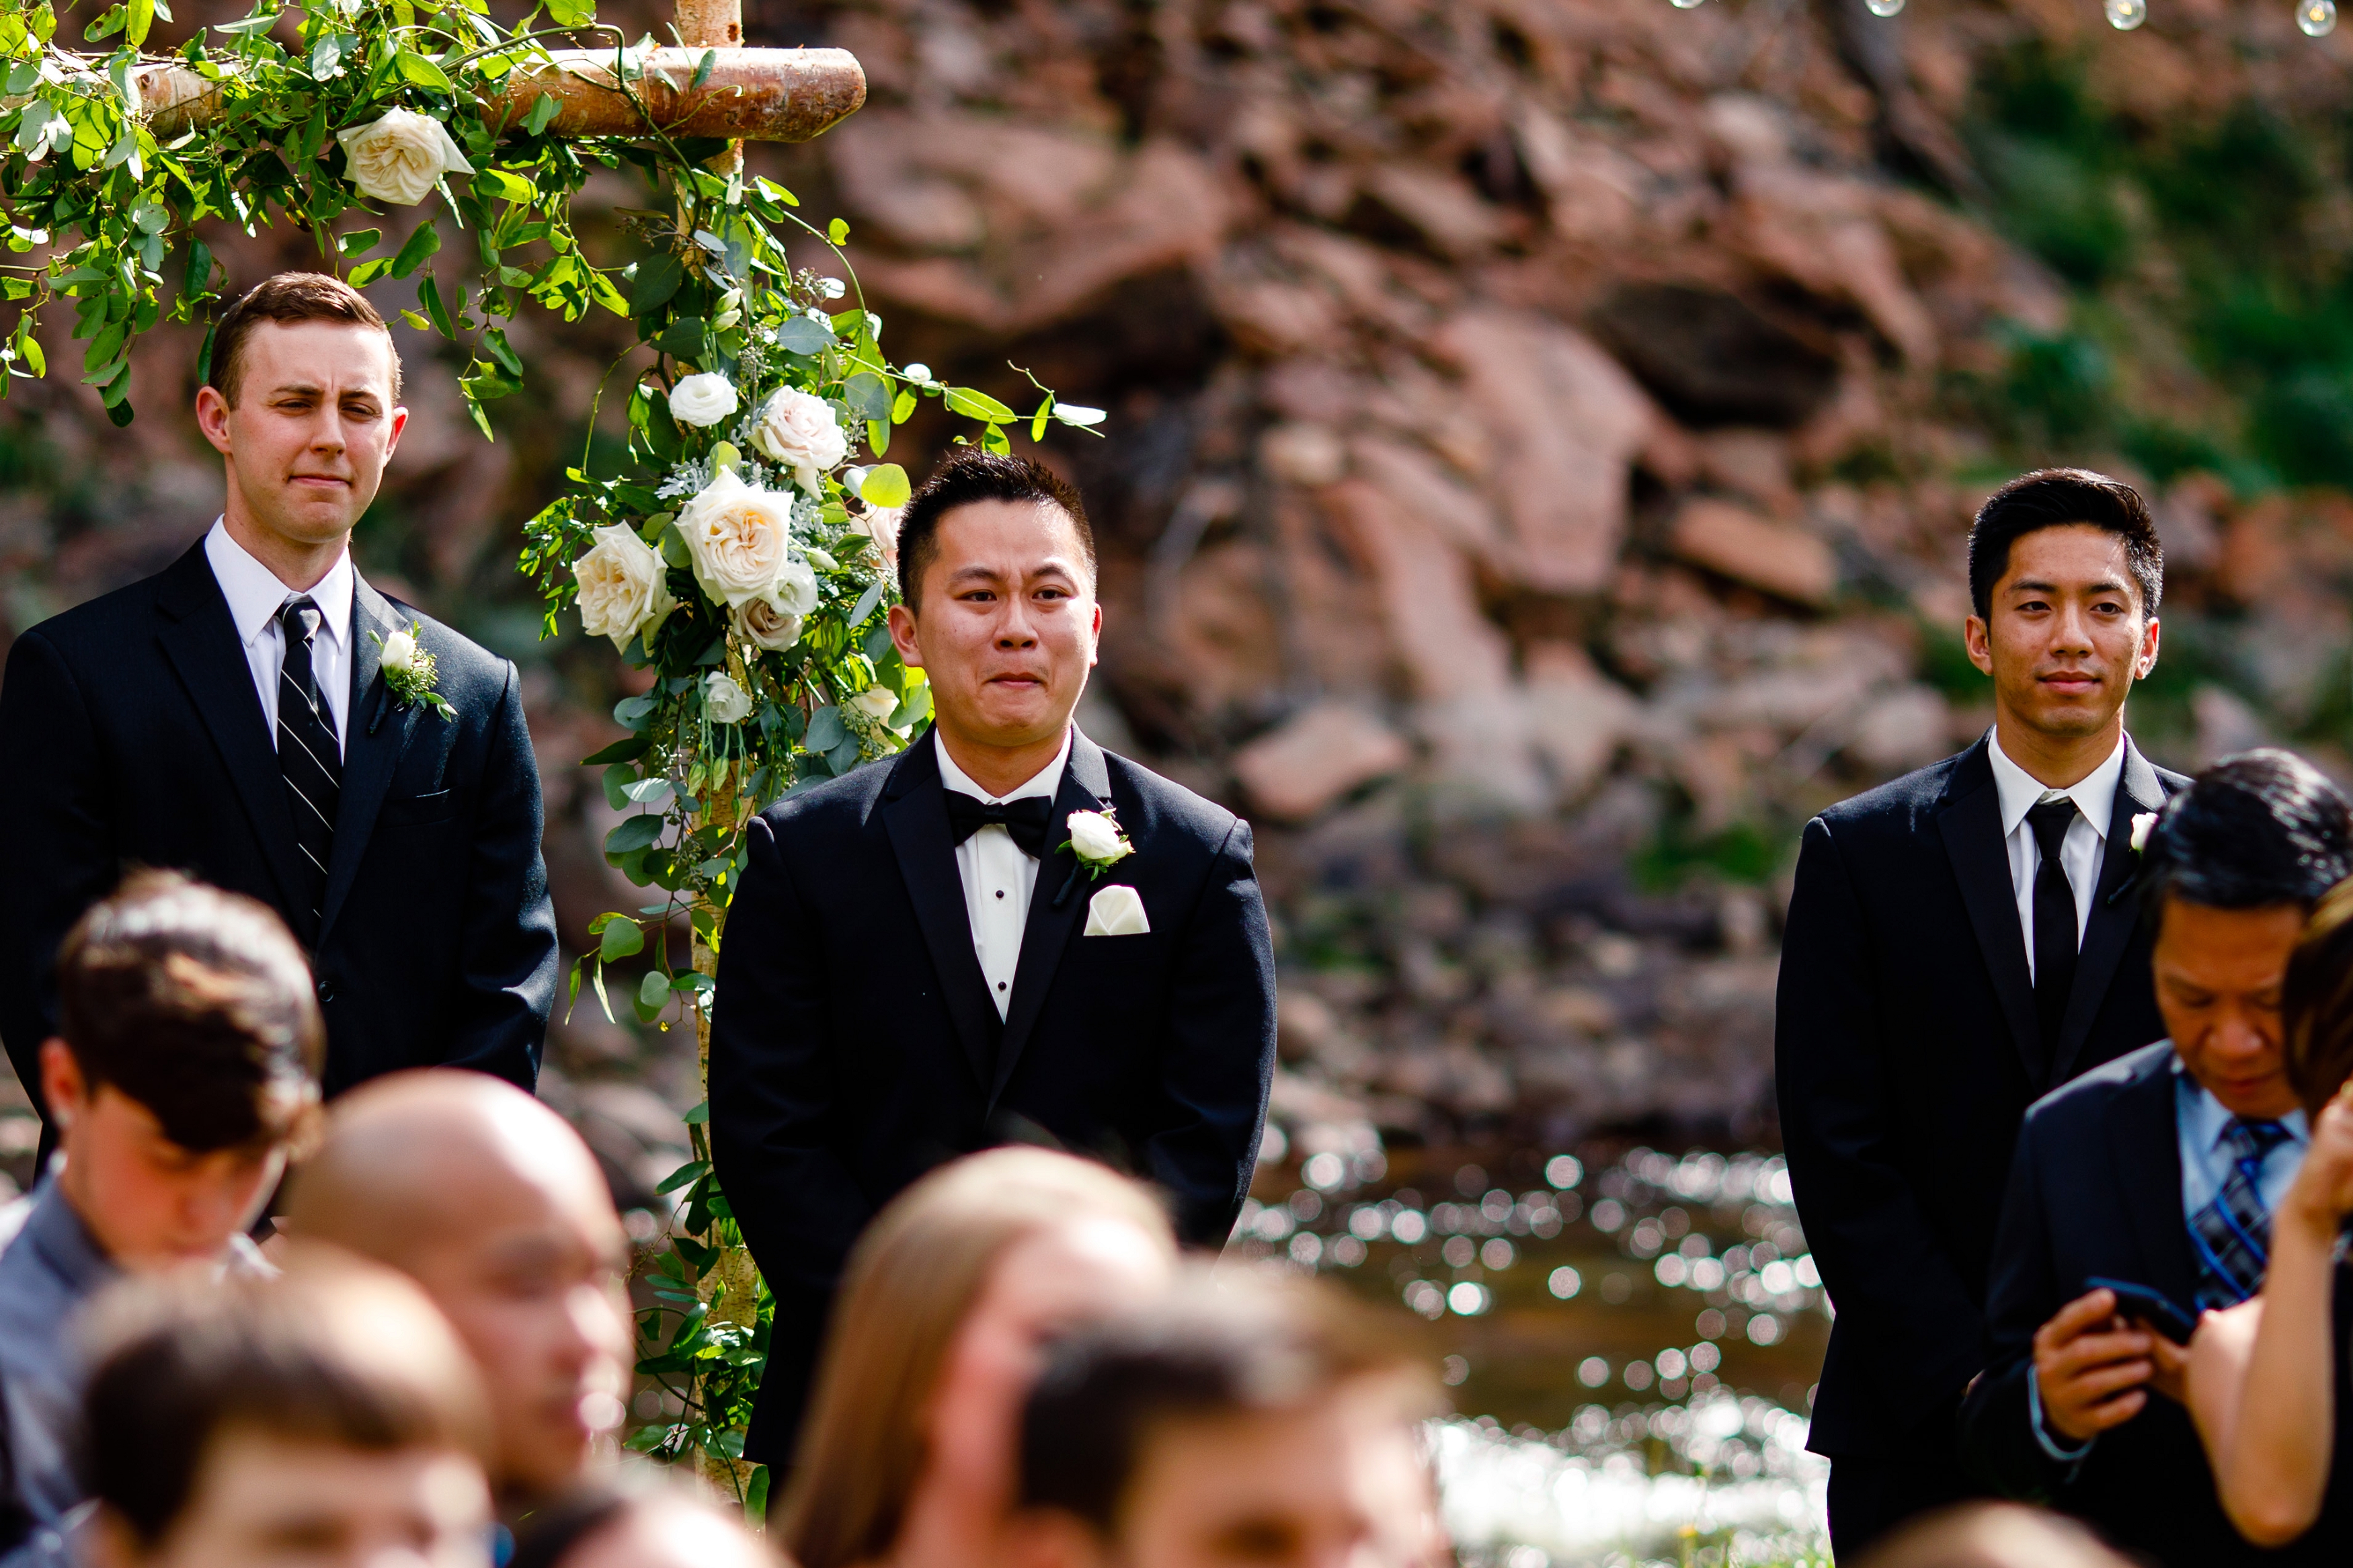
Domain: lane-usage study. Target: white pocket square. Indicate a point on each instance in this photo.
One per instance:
(1116, 910)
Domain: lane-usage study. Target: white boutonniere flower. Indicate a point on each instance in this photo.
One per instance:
(1097, 841)
(2140, 830)
(410, 672)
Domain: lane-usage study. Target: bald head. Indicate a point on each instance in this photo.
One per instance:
(487, 1199)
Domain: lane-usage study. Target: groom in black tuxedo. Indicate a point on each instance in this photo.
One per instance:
(1959, 942)
(918, 964)
(233, 717)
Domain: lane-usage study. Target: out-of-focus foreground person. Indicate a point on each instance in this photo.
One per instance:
(2268, 1386)
(907, 1457)
(1993, 1535)
(1249, 1425)
(2162, 1169)
(327, 1420)
(625, 1526)
(484, 1196)
(187, 1069)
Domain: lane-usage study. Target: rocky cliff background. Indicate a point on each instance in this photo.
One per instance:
(1541, 437)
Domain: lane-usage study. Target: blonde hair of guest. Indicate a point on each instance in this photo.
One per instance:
(913, 1278)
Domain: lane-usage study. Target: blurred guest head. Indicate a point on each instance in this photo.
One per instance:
(1993, 1535)
(997, 564)
(1251, 1427)
(186, 1069)
(2233, 867)
(639, 1526)
(2316, 1002)
(326, 1420)
(484, 1197)
(2065, 579)
(935, 1334)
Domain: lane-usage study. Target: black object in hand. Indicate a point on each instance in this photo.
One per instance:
(2154, 1308)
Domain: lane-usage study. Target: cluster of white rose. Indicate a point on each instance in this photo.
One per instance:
(401, 157)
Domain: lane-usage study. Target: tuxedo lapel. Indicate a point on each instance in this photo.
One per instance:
(374, 732)
(915, 816)
(2145, 1160)
(2114, 912)
(1053, 921)
(1971, 822)
(200, 641)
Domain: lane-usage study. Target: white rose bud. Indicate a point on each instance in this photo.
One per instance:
(730, 311)
(623, 587)
(702, 400)
(726, 702)
(800, 432)
(737, 537)
(877, 702)
(399, 652)
(764, 622)
(796, 589)
(919, 372)
(1094, 837)
(401, 157)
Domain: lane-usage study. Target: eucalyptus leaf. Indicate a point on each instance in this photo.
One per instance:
(800, 335)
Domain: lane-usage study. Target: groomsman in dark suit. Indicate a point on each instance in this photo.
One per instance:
(2162, 1169)
(1960, 941)
(946, 952)
(259, 717)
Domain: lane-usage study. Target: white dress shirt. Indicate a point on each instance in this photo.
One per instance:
(997, 877)
(2095, 795)
(256, 596)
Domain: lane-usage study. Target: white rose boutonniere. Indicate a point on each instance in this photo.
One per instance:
(2141, 824)
(401, 157)
(702, 400)
(1097, 841)
(624, 588)
(738, 537)
(800, 432)
(410, 672)
(726, 702)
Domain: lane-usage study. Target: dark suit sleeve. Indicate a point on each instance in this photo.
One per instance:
(1996, 1432)
(772, 1098)
(507, 971)
(1912, 1317)
(62, 856)
(1218, 1054)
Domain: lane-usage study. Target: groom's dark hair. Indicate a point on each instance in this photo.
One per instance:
(197, 1004)
(971, 476)
(2255, 831)
(2057, 497)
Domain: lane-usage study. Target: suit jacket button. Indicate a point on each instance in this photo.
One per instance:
(326, 990)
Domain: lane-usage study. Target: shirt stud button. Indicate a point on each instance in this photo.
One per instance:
(1000, 985)
(1000, 892)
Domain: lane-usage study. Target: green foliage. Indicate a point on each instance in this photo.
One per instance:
(1740, 853)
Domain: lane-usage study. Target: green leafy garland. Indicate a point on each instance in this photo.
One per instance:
(738, 561)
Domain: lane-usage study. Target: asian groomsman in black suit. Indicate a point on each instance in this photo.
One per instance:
(252, 716)
(1959, 942)
(919, 963)
(2162, 1169)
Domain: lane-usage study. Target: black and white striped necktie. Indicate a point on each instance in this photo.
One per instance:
(307, 754)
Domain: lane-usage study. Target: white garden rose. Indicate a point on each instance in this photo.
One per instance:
(623, 589)
(726, 702)
(702, 400)
(401, 157)
(738, 537)
(877, 702)
(1095, 838)
(764, 622)
(399, 652)
(796, 589)
(880, 523)
(800, 432)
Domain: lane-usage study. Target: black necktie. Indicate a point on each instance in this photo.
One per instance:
(307, 754)
(2055, 919)
(1025, 819)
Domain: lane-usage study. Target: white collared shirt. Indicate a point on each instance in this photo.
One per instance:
(2095, 795)
(997, 877)
(255, 596)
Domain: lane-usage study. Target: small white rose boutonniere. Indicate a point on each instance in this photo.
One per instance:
(2140, 828)
(1117, 910)
(410, 672)
(1097, 841)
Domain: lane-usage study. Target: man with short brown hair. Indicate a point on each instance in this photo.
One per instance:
(259, 715)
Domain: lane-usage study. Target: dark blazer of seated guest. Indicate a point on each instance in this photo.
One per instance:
(2096, 1191)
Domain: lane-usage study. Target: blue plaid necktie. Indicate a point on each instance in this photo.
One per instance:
(2233, 1234)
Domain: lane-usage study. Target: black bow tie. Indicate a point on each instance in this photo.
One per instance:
(1025, 819)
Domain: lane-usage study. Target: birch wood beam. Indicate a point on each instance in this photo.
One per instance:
(751, 95)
